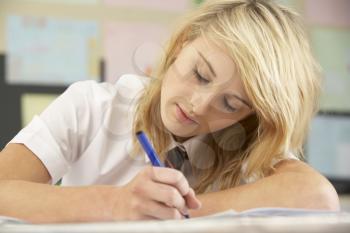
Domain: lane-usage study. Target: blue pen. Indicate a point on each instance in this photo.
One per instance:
(146, 145)
(151, 153)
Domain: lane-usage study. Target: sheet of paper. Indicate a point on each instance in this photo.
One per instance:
(328, 12)
(332, 50)
(126, 51)
(10, 220)
(311, 223)
(33, 104)
(49, 51)
(328, 146)
(168, 5)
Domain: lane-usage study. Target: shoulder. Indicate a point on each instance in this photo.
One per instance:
(130, 85)
(287, 158)
(309, 180)
(132, 81)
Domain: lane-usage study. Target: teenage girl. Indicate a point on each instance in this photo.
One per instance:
(234, 94)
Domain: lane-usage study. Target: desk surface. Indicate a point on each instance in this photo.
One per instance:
(345, 202)
(331, 223)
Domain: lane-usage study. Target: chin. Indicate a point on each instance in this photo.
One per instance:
(176, 128)
(181, 132)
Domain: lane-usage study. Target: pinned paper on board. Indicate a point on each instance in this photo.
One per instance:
(33, 104)
(71, 2)
(126, 51)
(167, 5)
(328, 12)
(332, 50)
(328, 146)
(198, 2)
(44, 51)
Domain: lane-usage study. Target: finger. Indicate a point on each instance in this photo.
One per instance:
(147, 218)
(140, 216)
(192, 202)
(158, 210)
(172, 177)
(166, 194)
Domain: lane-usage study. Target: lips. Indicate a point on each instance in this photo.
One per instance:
(182, 116)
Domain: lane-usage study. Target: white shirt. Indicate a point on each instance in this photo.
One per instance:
(85, 135)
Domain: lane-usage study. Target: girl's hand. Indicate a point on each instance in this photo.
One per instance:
(156, 193)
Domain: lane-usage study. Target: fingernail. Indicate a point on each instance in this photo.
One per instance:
(185, 214)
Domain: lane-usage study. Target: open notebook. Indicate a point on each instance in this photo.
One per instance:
(270, 211)
(253, 220)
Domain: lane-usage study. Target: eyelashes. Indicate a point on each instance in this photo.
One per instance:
(200, 78)
(204, 81)
(228, 106)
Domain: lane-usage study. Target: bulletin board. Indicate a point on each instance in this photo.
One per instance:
(45, 45)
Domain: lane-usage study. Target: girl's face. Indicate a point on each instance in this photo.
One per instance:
(201, 91)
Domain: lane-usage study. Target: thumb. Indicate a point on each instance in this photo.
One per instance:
(192, 201)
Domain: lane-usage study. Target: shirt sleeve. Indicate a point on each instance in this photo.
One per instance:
(60, 134)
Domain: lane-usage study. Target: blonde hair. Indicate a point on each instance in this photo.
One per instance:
(270, 48)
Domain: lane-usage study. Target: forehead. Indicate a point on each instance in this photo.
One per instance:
(218, 57)
(227, 77)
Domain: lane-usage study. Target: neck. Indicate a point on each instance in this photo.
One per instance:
(180, 139)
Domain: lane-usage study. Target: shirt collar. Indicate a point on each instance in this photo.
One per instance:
(190, 146)
(195, 147)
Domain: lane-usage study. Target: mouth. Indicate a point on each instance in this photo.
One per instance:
(183, 117)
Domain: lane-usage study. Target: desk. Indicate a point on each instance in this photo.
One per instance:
(345, 202)
(329, 224)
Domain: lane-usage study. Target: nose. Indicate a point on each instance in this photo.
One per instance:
(201, 101)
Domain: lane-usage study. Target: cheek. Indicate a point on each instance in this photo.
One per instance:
(218, 124)
(169, 93)
(175, 85)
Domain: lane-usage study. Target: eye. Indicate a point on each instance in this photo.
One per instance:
(228, 106)
(200, 77)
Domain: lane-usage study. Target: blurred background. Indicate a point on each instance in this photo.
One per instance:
(45, 45)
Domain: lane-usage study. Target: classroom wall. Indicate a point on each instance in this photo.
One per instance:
(47, 44)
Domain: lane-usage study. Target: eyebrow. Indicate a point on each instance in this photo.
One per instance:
(208, 63)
